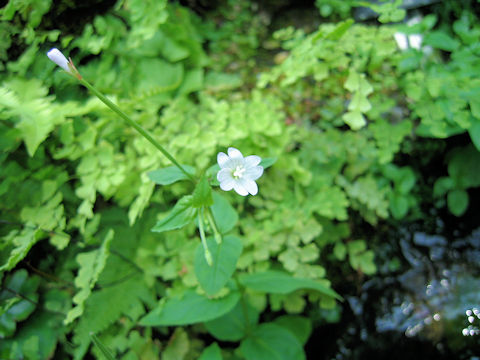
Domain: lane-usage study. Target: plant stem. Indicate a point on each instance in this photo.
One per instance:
(137, 127)
(208, 255)
(216, 233)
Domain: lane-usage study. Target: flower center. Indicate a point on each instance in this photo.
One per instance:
(238, 172)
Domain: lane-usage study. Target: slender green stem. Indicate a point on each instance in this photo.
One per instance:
(216, 233)
(137, 127)
(208, 255)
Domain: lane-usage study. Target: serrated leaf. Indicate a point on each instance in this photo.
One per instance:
(15, 246)
(224, 214)
(354, 119)
(91, 265)
(191, 308)
(181, 214)
(225, 256)
(359, 103)
(271, 341)
(234, 325)
(278, 282)
(170, 174)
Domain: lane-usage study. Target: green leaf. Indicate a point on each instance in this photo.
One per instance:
(91, 265)
(270, 341)
(457, 201)
(103, 349)
(354, 119)
(215, 81)
(340, 29)
(359, 103)
(212, 352)
(267, 162)
(474, 131)
(406, 180)
(170, 175)
(178, 345)
(398, 205)
(15, 308)
(181, 214)
(224, 214)
(278, 282)
(16, 245)
(340, 251)
(234, 325)
(442, 186)
(191, 308)
(202, 195)
(299, 326)
(225, 256)
(441, 40)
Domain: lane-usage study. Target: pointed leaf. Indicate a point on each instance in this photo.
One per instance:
(170, 175)
(299, 326)
(267, 162)
(202, 195)
(278, 282)
(191, 308)
(225, 256)
(212, 352)
(270, 341)
(181, 214)
(224, 214)
(234, 325)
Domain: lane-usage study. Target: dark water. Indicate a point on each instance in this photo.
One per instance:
(424, 302)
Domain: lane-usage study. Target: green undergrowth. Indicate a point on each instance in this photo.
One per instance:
(99, 253)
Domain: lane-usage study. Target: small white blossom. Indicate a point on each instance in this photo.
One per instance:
(238, 172)
(58, 58)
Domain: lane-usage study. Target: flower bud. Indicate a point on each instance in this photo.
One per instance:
(58, 58)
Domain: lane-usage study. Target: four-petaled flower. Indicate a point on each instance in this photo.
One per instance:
(238, 172)
(58, 58)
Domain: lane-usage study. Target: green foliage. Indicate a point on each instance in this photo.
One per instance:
(190, 308)
(277, 282)
(271, 341)
(338, 122)
(212, 278)
(91, 265)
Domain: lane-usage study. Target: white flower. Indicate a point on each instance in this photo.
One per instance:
(238, 172)
(58, 58)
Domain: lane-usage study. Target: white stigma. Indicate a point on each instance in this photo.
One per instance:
(238, 172)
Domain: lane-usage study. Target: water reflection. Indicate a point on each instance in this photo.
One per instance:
(428, 307)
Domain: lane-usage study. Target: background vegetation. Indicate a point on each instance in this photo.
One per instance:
(367, 137)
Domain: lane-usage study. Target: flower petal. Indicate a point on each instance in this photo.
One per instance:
(224, 175)
(250, 186)
(252, 160)
(228, 185)
(222, 159)
(58, 58)
(234, 153)
(253, 173)
(239, 188)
